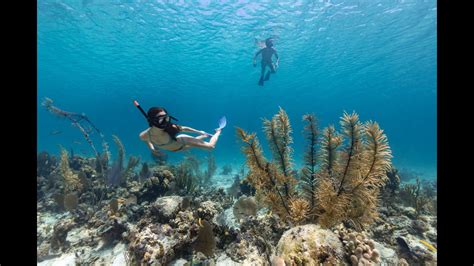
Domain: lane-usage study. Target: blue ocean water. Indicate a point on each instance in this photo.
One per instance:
(377, 58)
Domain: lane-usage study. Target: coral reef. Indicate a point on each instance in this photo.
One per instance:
(272, 214)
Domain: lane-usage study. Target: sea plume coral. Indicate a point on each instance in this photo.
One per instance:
(278, 132)
(299, 209)
(263, 175)
(340, 182)
(357, 174)
(308, 173)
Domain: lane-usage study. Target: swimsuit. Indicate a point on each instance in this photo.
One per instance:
(164, 144)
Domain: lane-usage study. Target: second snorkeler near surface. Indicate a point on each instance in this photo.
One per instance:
(267, 54)
(163, 134)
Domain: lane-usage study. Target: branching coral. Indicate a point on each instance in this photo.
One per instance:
(71, 180)
(412, 195)
(82, 122)
(346, 184)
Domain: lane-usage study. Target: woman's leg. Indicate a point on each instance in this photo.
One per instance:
(199, 143)
(262, 73)
(201, 137)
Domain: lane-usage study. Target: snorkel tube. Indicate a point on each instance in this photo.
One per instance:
(140, 108)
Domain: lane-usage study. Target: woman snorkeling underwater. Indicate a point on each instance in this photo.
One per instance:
(163, 133)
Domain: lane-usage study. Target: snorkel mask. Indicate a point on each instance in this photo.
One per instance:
(159, 121)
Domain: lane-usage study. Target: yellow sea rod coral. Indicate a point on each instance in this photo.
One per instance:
(71, 180)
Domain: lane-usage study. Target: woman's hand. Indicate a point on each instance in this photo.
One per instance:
(157, 153)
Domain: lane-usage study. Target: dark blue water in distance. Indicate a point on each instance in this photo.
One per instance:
(377, 58)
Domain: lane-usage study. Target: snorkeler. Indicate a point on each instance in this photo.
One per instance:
(164, 134)
(267, 54)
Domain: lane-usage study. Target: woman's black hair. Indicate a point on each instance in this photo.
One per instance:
(269, 42)
(170, 128)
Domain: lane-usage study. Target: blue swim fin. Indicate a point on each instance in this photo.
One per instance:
(222, 122)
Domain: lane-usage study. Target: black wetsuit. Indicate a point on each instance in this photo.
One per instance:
(267, 54)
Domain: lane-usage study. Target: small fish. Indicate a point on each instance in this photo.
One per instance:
(403, 244)
(200, 223)
(428, 245)
(55, 132)
(77, 142)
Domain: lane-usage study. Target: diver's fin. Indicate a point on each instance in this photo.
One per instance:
(260, 82)
(222, 122)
